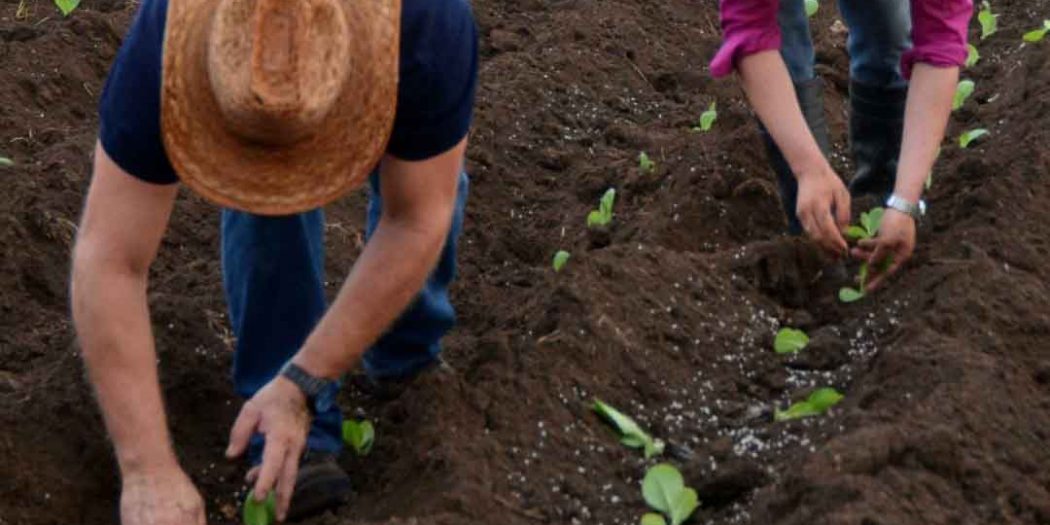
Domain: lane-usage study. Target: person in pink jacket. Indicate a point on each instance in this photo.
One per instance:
(904, 66)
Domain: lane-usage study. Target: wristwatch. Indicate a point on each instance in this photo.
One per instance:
(914, 210)
(320, 392)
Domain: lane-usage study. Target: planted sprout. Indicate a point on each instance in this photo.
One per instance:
(966, 138)
(707, 119)
(560, 259)
(664, 490)
(812, 6)
(359, 435)
(603, 215)
(1037, 35)
(989, 22)
(790, 341)
(868, 228)
(962, 92)
(67, 6)
(631, 434)
(259, 512)
(4, 162)
(818, 402)
(972, 55)
(645, 163)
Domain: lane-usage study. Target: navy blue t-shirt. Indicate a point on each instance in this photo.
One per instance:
(438, 77)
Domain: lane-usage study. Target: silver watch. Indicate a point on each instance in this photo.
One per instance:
(912, 209)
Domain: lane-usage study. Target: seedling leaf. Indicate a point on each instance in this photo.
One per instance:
(1038, 34)
(67, 6)
(631, 434)
(966, 138)
(645, 163)
(818, 403)
(812, 6)
(707, 118)
(603, 215)
(560, 259)
(850, 295)
(5, 162)
(972, 55)
(662, 487)
(684, 506)
(359, 435)
(260, 512)
(790, 341)
(653, 518)
(962, 92)
(595, 218)
(856, 233)
(989, 22)
(871, 221)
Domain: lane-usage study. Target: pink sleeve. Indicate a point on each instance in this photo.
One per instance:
(748, 26)
(938, 33)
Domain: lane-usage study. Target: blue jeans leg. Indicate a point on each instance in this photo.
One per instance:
(273, 274)
(796, 45)
(414, 341)
(879, 34)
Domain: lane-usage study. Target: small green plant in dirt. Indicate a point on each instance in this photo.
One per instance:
(1037, 35)
(816, 404)
(67, 6)
(973, 56)
(664, 490)
(867, 229)
(5, 162)
(790, 341)
(969, 136)
(260, 512)
(645, 164)
(560, 259)
(812, 6)
(603, 215)
(631, 434)
(707, 119)
(962, 92)
(359, 435)
(988, 20)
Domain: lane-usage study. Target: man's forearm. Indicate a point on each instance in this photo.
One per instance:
(112, 321)
(389, 274)
(926, 116)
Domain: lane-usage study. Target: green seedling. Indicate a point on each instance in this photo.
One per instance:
(790, 341)
(560, 259)
(966, 138)
(359, 435)
(972, 55)
(260, 512)
(962, 92)
(631, 434)
(818, 403)
(1038, 34)
(664, 490)
(812, 6)
(707, 119)
(5, 162)
(868, 228)
(67, 6)
(603, 215)
(645, 163)
(989, 21)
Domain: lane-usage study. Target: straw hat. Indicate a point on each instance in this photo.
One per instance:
(278, 106)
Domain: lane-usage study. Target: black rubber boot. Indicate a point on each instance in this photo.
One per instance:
(876, 126)
(811, 98)
(321, 485)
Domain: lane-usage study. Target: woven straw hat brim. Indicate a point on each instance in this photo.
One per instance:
(279, 180)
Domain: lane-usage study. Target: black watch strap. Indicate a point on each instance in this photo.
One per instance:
(311, 386)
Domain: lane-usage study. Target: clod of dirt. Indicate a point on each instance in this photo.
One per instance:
(731, 482)
(827, 350)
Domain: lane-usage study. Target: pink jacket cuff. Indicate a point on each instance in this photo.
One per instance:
(939, 33)
(748, 27)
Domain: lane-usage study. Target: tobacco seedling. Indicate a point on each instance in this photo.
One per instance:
(790, 341)
(818, 402)
(560, 259)
(359, 435)
(812, 6)
(868, 229)
(5, 162)
(260, 512)
(1037, 35)
(989, 22)
(966, 138)
(603, 215)
(631, 434)
(972, 55)
(67, 6)
(707, 119)
(645, 163)
(962, 92)
(664, 490)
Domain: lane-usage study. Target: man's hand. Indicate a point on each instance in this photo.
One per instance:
(165, 497)
(824, 209)
(893, 247)
(278, 411)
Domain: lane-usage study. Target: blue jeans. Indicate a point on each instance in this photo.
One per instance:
(273, 273)
(879, 33)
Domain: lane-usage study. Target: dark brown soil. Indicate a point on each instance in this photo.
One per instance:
(669, 315)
